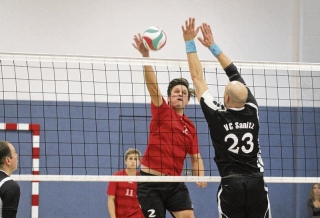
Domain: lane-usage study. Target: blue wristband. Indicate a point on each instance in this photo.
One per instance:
(215, 50)
(190, 47)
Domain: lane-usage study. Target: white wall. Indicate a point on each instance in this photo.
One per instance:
(245, 30)
(311, 31)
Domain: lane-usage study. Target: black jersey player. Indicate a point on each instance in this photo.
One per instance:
(9, 189)
(234, 130)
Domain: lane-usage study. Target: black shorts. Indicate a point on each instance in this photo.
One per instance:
(243, 197)
(157, 197)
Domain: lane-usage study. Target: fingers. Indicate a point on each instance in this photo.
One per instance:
(192, 22)
(202, 184)
(189, 24)
(134, 45)
(137, 37)
(138, 43)
(205, 28)
(201, 40)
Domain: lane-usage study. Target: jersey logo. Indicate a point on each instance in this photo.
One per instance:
(185, 131)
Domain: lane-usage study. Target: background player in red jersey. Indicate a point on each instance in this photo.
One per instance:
(172, 136)
(122, 196)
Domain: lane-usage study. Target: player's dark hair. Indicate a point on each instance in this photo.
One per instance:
(4, 151)
(180, 81)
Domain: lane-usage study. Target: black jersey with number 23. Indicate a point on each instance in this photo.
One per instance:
(234, 132)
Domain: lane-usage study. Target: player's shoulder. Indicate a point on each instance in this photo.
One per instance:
(9, 181)
(3, 175)
(9, 185)
(208, 101)
(5, 179)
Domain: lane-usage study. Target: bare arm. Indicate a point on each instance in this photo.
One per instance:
(152, 86)
(111, 206)
(149, 74)
(198, 168)
(197, 164)
(195, 67)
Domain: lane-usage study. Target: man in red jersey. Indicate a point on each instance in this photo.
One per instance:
(122, 196)
(172, 136)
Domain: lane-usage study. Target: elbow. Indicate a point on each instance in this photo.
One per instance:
(196, 73)
(196, 79)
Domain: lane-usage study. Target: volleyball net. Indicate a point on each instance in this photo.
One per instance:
(72, 118)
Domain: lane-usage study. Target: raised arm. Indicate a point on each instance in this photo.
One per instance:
(149, 74)
(208, 41)
(225, 62)
(195, 67)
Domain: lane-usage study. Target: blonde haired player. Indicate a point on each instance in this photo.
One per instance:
(122, 196)
(313, 203)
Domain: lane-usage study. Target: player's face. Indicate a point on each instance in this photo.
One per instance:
(179, 97)
(316, 189)
(14, 158)
(132, 161)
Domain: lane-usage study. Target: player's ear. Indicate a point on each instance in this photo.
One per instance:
(7, 160)
(227, 98)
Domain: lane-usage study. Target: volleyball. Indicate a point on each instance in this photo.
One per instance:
(154, 38)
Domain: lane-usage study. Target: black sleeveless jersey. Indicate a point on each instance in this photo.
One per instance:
(234, 133)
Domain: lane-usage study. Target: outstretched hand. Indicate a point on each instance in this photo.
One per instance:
(140, 46)
(207, 39)
(189, 31)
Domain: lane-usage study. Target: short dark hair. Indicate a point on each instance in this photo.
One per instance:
(4, 151)
(180, 81)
